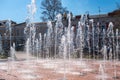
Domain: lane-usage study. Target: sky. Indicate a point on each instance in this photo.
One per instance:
(16, 10)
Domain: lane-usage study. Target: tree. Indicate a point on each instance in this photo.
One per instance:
(51, 8)
(118, 5)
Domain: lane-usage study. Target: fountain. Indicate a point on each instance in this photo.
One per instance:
(88, 40)
(28, 50)
(30, 29)
(117, 45)
(102, 75)
(116, 57)
(40, 45)
(64, 51)
(104, 54)
(53, 52)
(93, 37)
(81, 42)
(70, 35)
(30, 32)
(83, 36)
(44, 46)
(9, 30)
(9, 35)
(49, 39)
(1, 45)
(37, 50)
(58, 32)
(12, 51)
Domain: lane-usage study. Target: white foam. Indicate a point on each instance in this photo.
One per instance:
(49, 65)
(28, 76)
(75, 73)
(25, 71)
(3, 67)
(81, 64)
(87, 69)
(69, 72)
(1, 64)
(102, 76)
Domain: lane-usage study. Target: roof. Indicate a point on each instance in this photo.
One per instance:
(115, 13)
(98, 16)
(3, 22)
(20, 24)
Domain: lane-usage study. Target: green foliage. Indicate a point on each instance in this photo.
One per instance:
(3, 55)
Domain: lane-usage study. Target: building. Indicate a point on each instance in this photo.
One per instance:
(5, 34)
(18, 36)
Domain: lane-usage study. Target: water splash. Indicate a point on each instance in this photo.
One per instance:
(49, 39)
(101, 72)
(40, 45)
(64, 45)
(1, 44)
(58, 33)
(28, 49)
(30, 29)
(81, 40)
(9, 30)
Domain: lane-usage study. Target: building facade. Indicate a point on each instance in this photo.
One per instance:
(18, 37)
